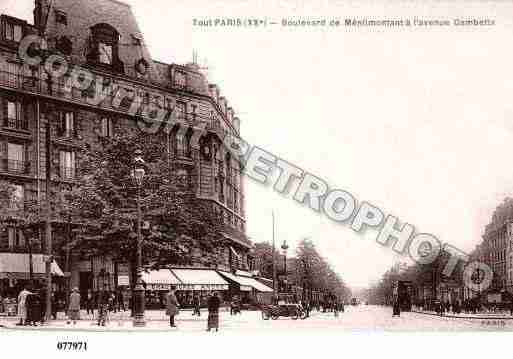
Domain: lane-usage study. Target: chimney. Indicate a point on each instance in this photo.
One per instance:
(41, 8)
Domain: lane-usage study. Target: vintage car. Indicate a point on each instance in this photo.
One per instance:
(294, 311)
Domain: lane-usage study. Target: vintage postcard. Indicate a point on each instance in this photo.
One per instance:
(215, 168)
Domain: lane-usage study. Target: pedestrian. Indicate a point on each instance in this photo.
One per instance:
(42, 306)
(22, 305)
(33, 305)
(90, 302)
(53, 299)
(103, 307)
(196, 303)
(213, 312)
(74, 306)
(335, 309)
(172, 306)
(120, 300)
(396, 309)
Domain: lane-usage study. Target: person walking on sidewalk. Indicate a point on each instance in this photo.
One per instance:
(90, 303)
(120, 300)
(103, 307)
(74, 306)
(22, 306)
(172, 306)
(197, 304)
(213, 312)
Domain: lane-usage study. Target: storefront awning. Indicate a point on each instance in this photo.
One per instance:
(17, 266)
(160, 279)
(246, 282)
(199, 279)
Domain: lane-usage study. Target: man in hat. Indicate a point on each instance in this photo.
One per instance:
(74, 306)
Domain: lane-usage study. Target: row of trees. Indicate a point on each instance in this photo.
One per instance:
(422, 276)
(306, 269)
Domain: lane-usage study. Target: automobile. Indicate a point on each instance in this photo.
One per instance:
(292, 310)
(354, 301)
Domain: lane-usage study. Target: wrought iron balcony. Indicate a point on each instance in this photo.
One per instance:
(16, 124)
(33, 82)
(67, 172)
(16, 166)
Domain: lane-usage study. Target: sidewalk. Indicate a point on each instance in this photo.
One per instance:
(502, 316)
(120, 321)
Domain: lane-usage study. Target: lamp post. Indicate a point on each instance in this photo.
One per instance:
(285, 247)
(139, 295)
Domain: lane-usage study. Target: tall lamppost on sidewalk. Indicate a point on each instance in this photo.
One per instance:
(285, 247)
(139, 295)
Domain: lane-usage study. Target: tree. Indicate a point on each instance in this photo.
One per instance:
(176, 223)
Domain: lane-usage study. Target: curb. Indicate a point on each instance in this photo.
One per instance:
(462, 317)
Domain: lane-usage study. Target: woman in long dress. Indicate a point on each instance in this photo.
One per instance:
(22, 306)
(213, 312)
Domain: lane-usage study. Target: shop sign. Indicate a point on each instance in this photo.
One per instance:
(184, 287)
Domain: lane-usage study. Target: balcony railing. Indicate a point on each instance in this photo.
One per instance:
(16, 166)
(58, 88)
(16, 124)
(67, 172)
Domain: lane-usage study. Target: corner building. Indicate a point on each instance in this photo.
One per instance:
(103, 37)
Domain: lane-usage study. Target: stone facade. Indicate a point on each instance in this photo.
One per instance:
(103, 37)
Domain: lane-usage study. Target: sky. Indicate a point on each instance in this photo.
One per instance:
(417, 121)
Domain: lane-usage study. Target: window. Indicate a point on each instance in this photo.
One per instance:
(13, 32)
(103, 48)
(15, 157)
(183, 178)
(194, 112)
(61, 17)
(107, 127)
(14, 117)
(67, 162)
(180, 110)
(18, 197)
(67, 128)
(180, 79)
(105, 53)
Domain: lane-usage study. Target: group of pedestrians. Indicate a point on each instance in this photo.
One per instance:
(32, 306)
(213, 305)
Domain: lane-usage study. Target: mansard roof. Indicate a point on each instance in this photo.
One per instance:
(83, 15)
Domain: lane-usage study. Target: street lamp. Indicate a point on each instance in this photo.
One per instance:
(139, 295)
(285, 247)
